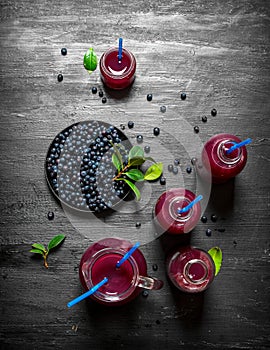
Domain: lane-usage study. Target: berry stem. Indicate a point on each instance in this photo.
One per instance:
(120, 172)
(45, 260)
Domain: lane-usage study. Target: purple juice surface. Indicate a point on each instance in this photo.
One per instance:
(117, 74)
(166, 211)
(190, 269)
(222, 165)
(120, 278)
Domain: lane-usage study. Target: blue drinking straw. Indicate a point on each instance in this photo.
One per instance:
(190, 205)
(238, 145)
(87, 294)
(128, 254)
(120, 48)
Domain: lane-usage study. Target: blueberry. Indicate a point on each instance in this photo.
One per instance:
(176, 161)
(163, 109)
(204, 119)
(60, 77)
(156, 131)
(193, 161)
(188, 169)
(170, 167)
(183, 96)
(139, 138)
(145, 293)
(100, 94)
(214, 217)
(208, 232)
(149, 97)
(147, 149)
(154, 267)
(204, 219)
(138, 224)
(94, 90)
(50, 215)
(214, 112)
(175, 170)
(196, 129)
(162, 180)
(104, 100)
(130, 124)
(64, 51)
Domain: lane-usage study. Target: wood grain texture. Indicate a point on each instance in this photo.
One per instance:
(215, 51)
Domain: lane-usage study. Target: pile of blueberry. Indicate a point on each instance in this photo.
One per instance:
(79, 167)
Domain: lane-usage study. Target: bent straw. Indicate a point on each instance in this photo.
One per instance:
(88, 293)
(190, 205)
(120, 48)
(128, 254)
(238, 145)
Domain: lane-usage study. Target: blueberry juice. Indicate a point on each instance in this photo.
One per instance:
(100, 260)
(166, 211)
(218, 162)
(190, 269)
(117, 74)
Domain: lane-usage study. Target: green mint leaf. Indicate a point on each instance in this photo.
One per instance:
(118, 154)
(37, 251)
(39, 247)
(136, 151)
(55, 241)
(133, 187)
(135, 174)
(90, 60)
(154, 172)
(136, 161)
(216, 255)
(116, 162)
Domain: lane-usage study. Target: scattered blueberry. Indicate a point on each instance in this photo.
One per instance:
(138, 224)
(139, 138)
(163, 109)
(176, 161)
(145, 293)
(162, 180)
(100, 93)
(50, 215)
(104, 100)
(196, 129)
(157, 321)
(122, 126)
(214, 112)
(234, 242)
(189, 170)
(156, 131)
(130, 124)
(204, 219)
(154, 267)
(147, 149)
(214, 217)
(208, 232)
(60, 77)
(170, 167)
(64, 51)
(94, 90)
(175, 170)
(204, 119)
(149, 97)
(193, 161)
(183, 96)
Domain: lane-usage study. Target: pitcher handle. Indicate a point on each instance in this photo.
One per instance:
(149, 283)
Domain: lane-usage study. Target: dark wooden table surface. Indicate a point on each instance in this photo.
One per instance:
(215, 51)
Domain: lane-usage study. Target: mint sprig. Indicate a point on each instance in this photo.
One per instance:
(131, 170)
(216, 255)
(41, 249)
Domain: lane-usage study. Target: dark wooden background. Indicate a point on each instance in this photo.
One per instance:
(215, 51)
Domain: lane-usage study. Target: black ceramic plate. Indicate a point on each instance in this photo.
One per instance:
(79, 169)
